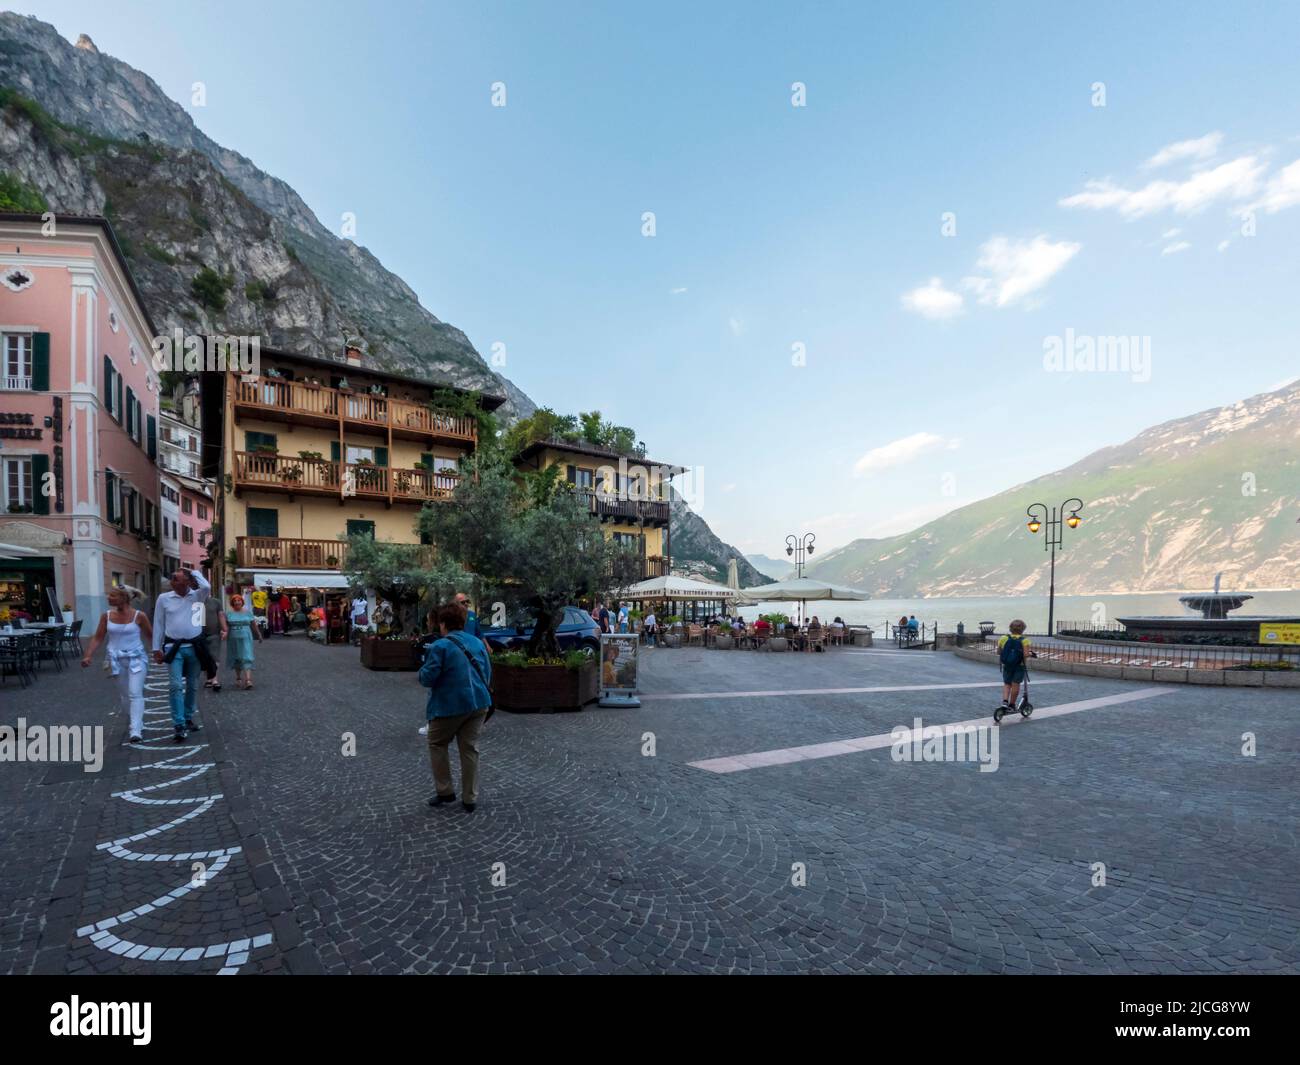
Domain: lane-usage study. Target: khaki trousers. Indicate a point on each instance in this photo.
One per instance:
(464, 728)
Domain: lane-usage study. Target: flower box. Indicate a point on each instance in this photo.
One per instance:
(778, 643)
(398, 655)
(724, 643)
(526, 688)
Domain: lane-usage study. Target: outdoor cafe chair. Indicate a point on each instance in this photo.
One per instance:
(48, 645)
(14, 659)
(695, 633)
(70, 638)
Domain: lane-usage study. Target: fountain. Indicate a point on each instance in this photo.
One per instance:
(1213, 626)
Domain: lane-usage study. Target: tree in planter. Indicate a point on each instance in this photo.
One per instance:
(402, 575)
(540, 549)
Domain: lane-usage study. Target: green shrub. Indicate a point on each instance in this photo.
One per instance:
(17, 195)
(210, 288)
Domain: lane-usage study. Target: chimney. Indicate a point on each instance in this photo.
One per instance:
(353, 354)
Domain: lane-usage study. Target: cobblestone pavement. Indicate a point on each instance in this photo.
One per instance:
(587, 854)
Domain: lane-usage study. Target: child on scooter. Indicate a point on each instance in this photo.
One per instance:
(1013, 649)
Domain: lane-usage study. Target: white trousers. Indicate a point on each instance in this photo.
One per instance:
(130, 687)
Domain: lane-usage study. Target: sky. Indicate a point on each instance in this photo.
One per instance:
(883, 240)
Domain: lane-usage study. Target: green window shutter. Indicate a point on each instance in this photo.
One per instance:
(151, 436)
(334, 451)
(110, 496)
(572, 476)
(40, 362)
(263, 521)
(117, 410)
(427, 458)
(40, 467)
(381, 456)
(131, 522)
(108, 384)
(129, 408)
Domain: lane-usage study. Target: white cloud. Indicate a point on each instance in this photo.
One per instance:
(1200, 148)
(736, 326)
(729, 487)
(1223, 244)
(1169, 234)
(1174, 249)
(1235, 180)
(903, 450)
(1013, 269)
(1282, 190)
(677, 291)
(933, 300)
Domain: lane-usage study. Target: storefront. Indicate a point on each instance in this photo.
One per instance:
(27, 584)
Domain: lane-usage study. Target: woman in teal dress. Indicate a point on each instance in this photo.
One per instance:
(239, 647)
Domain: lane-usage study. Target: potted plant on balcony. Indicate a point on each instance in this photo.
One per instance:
(368, 474)
(540, 550)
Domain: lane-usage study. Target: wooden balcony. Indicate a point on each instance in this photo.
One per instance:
(268, 472)
(654, 566)
(609, 507)
(274, 552)
(276, 399)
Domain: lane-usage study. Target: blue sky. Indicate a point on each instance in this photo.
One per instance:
(923, 384)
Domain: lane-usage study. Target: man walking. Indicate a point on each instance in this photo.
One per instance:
(178, 640)
(471, 619)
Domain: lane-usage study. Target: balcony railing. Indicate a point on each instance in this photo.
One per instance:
(267, 471)
(274, 552)
(654, 566)
(278, 399)
(607, 506)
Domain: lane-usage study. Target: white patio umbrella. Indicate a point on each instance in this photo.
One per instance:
(733, 581)
(678, 588)
(800, 590)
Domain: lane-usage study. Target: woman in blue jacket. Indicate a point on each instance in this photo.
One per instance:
(458, 673)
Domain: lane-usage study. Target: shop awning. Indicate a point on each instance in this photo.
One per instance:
(16, 551)
(284, 578)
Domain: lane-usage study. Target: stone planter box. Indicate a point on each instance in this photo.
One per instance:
(724, 643)
(531, 688)
(398, 655)
(673, 639)
(778, 643)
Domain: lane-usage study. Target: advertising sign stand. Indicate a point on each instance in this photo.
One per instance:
(618, 654)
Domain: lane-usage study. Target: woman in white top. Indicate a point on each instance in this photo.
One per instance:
(128, 632)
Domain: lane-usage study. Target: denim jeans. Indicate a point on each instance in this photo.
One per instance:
(183, 685)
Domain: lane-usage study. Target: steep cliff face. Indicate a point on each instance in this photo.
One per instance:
(1216, 491)
(104, 139)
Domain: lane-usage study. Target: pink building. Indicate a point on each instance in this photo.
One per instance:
(195, 522)
(78, 418)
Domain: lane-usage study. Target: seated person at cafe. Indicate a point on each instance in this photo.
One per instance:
(762, 626)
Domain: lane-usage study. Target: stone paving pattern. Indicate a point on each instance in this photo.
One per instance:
(618, 862)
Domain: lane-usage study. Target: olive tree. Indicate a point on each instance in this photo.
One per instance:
(532, 540)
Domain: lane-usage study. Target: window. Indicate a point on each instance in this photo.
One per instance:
(253, 441)
(18, 361)
(203, 511)
(112, 498)
(18, 483)
(627, 539)
(186, 507)
(263, 521)
(584, 479)
(194, 469)
(356, 454)
(361, 528)
(187, 535)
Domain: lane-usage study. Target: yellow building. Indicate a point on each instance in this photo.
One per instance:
(629, 494)
(315, 450)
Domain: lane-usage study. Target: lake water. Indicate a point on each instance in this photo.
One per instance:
(1098, 609)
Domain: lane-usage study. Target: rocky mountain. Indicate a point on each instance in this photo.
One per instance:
(697, 551)
(82, 133)
(778, 567)
(1219, 490)
(92, 135)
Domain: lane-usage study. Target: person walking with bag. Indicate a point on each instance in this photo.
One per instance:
(178, 618)
(126, 629)
(458, 673)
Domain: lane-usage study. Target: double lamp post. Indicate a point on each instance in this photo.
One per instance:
(1053, 522)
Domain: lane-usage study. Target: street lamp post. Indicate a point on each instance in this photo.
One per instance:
(1053, 522)
(799, 546)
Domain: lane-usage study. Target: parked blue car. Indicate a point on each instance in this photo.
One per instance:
(577, 632)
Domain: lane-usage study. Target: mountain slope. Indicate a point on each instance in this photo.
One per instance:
(778, 567)
(326, 289)
(1166, 510)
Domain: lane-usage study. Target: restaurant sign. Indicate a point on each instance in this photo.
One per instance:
(16, 426)
(618, 658)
